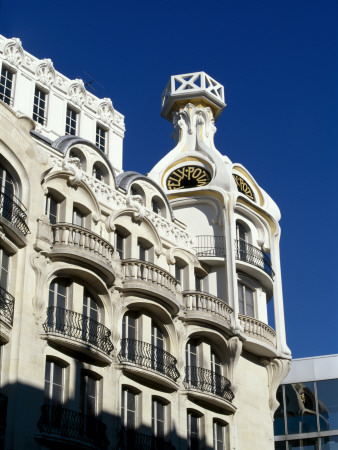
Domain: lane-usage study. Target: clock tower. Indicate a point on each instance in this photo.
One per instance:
(235, 227)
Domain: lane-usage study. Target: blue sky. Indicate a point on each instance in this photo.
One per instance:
(278, 61)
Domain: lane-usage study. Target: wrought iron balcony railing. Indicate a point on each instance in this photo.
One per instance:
(3, 413)
(77, 326)
(132, 440)
(148, 356)
(208, 245)
(13, 210)
(67, 424)
(207, 381)
(6, 306)
(253, 255)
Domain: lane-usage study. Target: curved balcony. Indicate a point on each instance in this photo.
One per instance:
(79, 333)
(148, 278)
(75, 242)
(257, 331)
(131, 439)
(206, 307)
(71, 427)
(148, 362)
(6, 314)
(209, 246)
(254, 256)
(209, 387)
(14, 214)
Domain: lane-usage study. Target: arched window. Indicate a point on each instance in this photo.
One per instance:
(246, 302)
(204, 369)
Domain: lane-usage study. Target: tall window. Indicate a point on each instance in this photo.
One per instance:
(178, 272)
(101, 138)
(78, 218)
(158, 418)
(158, 342)
(120, 241)
(71, 121)
(6, 85)
(6, 194)
(4, 266)
(193, 427)
(142, 251)
(56, 317)
(129, 326)
(91, 319)
(54, 382)
(52, 209)
(39, 107)
(219, 435)
(128, 409)
(246, 300)
(88, 388)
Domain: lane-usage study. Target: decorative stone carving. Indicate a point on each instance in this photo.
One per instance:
(277, 370)
(45, 72)
(106, 111)
(136, 202)
(44, 236)
(13, 52)
(77, 92)
(235, 349)
(42, 266)
(73, 165)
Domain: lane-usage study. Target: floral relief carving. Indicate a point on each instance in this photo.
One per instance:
(77, 92)
(106, 111)
(13, 52)
(42, 266)
(45, 72)
(73, 165)
(277, 370)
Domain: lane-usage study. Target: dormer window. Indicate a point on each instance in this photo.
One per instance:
(39, 108)
(6, 86)
(71, 121)
(101, 138)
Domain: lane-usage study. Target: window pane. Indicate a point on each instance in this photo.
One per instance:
(279, 425)
(301, 408)
(327, 392)
(280, 445)
(330, 443)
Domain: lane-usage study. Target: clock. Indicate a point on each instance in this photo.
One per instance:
(243, 187)
(188, 177)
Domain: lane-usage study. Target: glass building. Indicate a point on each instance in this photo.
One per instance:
(307, 417)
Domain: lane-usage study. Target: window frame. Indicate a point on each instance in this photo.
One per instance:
(39, 117)
(101, 139)
(71, 118)
(8, 99)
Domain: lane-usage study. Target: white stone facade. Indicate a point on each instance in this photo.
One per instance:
(31, 75)
(134, 309)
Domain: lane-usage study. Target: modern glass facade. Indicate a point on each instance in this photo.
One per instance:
(307, 417)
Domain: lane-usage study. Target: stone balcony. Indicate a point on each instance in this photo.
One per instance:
(261, 338)
(82, 245)
(147, 278)
(207, 308)
(6, 314)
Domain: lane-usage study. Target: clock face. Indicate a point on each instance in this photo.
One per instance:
(188, 177)
(243, 187)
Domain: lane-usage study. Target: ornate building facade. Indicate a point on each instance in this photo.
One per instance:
(133, 309)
